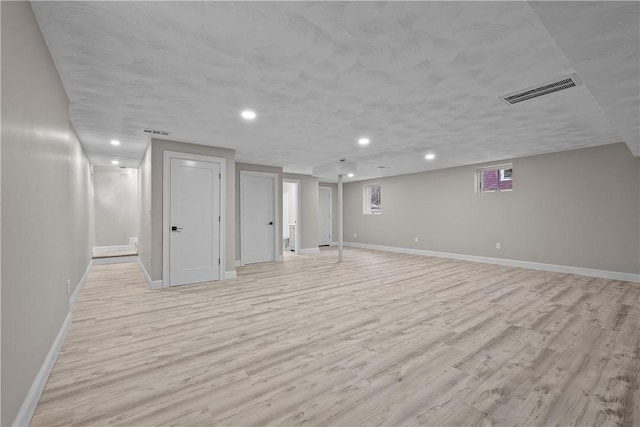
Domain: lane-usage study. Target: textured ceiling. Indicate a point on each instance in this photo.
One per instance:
(415, 77)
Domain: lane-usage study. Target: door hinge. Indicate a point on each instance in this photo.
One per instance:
(218, 261)
(220, 175)
(219, 220)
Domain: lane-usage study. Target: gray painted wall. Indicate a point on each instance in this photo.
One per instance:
(158, 147)
(575, 208)
(308, 221)
(144, 198)
(278, 190)
(116, 205)
(46, 205)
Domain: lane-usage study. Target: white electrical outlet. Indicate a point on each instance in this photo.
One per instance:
(355, 234)
(498, 245)
(68, 287)
(416, 239)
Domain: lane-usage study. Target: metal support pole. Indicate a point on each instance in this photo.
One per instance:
(340, 223)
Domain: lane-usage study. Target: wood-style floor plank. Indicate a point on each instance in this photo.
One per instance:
(380, 339)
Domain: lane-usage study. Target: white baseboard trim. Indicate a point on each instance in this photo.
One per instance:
(280, 257)
(238, 263)
(230, 275)
(115, 260)
(76, 293)
(335, 243)
(605, 274)
(102, 249)
(33, 397)
(153, 284)
(305, 251)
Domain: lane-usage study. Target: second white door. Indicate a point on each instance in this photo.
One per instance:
(258, 217)
(194, 254)
(324, 215)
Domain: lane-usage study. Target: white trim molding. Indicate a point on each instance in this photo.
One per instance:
(102, 249)
(37, 387)
(238, 263)
(115, 260)
(306, 251)
(230, 274)
(76, 293)
(605, 274)
(152, 284)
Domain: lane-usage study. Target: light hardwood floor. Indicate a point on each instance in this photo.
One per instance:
(381, 339)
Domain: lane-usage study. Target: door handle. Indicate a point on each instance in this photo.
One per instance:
(270, 222)
(174, 228)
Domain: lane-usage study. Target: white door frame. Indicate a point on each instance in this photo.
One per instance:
(320, 188)
(298, 183)
(277, 236)
(166, 208)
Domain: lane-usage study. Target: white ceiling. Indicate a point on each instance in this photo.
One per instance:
(415, 77)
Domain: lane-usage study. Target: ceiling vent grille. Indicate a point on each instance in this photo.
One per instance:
(562, 83)
(155, 132)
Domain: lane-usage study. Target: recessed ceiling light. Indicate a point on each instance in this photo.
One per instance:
(115, 142)
(115, 162)
(248, 115)
(363, 141)
(350, 175)
(430, 156)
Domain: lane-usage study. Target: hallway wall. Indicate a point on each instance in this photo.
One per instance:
(116, 205)
(46, 205)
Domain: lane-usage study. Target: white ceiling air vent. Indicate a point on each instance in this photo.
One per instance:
(155, 132)
(565, 82)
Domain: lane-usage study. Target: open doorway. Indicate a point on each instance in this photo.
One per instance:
(116, 203)
(290, 214)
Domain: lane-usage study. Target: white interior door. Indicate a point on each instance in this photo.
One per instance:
(324, 222)
(258, 217)
(194, 244)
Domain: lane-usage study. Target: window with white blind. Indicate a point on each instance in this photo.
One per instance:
(493, 179)
(371, 199)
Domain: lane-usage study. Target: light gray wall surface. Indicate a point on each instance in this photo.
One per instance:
(278, 192)
(46, 205)
(144, 198)
(308, 221)
(159, 146)
(575, 208)
(82, 213)
(116, 205)
(334, 209)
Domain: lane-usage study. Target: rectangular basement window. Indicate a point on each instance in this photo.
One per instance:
(371, 199)
(492, 179)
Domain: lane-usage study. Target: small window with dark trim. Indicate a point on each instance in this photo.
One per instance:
(493, 179)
